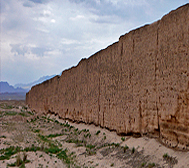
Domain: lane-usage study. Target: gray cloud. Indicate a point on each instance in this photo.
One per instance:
(21, 49)
(39, 51)
(138, 11)
(109, 11)
(57, 34)
(28, 4)
(32, 3)
(39, 1)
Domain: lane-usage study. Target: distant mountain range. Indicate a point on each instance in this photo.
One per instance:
(6, 88)
(29, 85)
(21, 88)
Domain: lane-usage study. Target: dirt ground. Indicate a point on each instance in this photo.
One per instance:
(31, 141)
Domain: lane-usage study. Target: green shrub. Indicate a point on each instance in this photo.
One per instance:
(43, 138)
(90, 152)
(22, 165)
(56, 121)
(24, 114)
(112, 165)
(63, 156)
(30, 113)
(8, 152)
(98, 132)
(90, 146)
(125, 148)
(11, 113)
(133, 150)
(114, 144)
(54, 135)
(36, 131)
(143, 164)
(165, 155)
(52, 149)
(123, 138)
(150, 165)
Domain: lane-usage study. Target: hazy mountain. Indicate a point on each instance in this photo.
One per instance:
(29, 85)
(6, 88)
(18, 91)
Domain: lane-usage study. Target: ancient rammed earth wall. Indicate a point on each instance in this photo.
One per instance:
(137, 85)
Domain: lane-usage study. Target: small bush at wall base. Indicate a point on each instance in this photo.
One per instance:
(98, 132)
(123, 138)
(125, 148)
(133, 150)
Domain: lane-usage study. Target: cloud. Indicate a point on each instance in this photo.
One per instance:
(39, 51)
(28, 4)
(21, 49)
(43, 37)
(33, 3)
(114, 11)
(39, 1)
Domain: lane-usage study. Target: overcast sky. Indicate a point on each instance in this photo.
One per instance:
(45, 37)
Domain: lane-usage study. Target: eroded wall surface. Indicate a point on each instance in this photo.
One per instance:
(139, 84)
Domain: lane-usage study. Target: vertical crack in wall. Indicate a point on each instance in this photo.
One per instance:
(99, 98)
(140, 119)
(156, 70)
(121, 80)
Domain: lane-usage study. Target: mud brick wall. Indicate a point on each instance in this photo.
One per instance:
(139, 84)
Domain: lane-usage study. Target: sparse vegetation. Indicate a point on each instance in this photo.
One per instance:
(123, 138)
(54, 135)
(20, 162)
(150, 165)
(125, 148)
(143, 164)
(5, 106)
(63, 156)
(165, 155)
(112, 165)
(115, 144)
(98, 132)
(36, 131)
(169, 159)
(133, 150)
(90, 152)
(87, 135)
(10, 113)
(8, 152)
(50, 138)
(90, 146)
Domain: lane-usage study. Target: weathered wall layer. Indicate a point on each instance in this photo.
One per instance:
(137, 85)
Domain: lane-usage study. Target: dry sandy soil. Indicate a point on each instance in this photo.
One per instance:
(31, 141)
